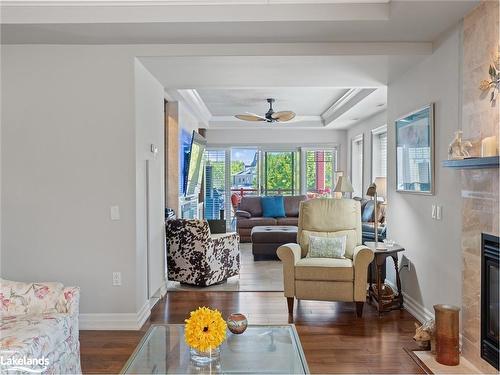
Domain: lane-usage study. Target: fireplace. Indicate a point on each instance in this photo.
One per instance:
(490, 299)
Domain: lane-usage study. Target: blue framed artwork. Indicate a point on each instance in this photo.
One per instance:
(415, 152)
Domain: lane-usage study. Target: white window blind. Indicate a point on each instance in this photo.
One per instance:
(215, 183)
(379, 152)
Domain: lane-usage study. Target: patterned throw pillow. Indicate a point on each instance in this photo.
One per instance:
(327, 247)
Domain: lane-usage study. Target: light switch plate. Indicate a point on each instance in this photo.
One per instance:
(117, 278)
(439, 212)
(115, 212)
(433, 213)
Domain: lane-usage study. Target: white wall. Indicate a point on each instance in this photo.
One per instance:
(150, 192)
(68, 154)
(433, 246)
(365, 127)
(280, 137)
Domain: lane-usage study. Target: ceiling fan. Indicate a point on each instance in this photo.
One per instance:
(270, 115)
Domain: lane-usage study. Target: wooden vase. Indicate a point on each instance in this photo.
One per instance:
(447, 334)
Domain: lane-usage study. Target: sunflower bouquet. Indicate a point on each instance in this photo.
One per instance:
(205, 330)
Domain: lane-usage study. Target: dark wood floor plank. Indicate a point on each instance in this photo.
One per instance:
(333, 338)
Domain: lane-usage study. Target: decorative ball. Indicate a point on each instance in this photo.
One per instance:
(237, 323)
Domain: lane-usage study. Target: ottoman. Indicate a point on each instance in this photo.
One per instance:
(267, 239)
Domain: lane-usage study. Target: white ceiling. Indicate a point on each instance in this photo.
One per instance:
(252, 21)
(305, 101)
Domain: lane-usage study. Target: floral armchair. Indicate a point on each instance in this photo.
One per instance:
(197, 257)
(39, 328)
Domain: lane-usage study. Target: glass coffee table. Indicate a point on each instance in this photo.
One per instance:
(270, 349)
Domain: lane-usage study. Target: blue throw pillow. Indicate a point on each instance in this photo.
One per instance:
(273, 206)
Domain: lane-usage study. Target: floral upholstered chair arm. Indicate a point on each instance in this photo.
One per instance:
(17, 298)
(69, 300)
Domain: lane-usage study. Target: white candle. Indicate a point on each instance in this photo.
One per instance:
(489, 146)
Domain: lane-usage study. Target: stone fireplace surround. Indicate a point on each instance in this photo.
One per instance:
(480, 187)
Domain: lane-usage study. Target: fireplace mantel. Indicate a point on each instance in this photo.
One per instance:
(473, 163)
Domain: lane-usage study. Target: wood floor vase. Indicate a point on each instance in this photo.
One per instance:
(447, 334)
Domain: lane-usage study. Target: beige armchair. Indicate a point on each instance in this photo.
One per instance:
(327, 279)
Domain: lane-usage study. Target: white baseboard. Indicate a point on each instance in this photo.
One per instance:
(119, 321)
(412, 306)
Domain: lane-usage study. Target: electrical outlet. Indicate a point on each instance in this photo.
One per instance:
(439, 212)
(117, 278)
(433, 212)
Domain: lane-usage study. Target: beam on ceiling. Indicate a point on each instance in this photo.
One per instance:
(62, 12)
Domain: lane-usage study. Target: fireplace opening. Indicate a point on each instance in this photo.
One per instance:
(490, 303)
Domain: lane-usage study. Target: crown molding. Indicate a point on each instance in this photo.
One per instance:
(345, 103)
(194, 103)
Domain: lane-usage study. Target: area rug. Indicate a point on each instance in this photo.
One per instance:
(261, 276)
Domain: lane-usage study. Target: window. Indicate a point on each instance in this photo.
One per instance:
(357, 165)
(320, 166)
(215, 183)
(245, 171)
(379, 152)
(281, 170)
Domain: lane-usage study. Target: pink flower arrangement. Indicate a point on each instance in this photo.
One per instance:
(41, 292)
(5, 302)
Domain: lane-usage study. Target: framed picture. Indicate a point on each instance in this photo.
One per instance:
(415, 152)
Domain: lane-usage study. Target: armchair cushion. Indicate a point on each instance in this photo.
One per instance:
(252, 205)
(327, 247)
(324, 269)
(350, 244)
(243, 213)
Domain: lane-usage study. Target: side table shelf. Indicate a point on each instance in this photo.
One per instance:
(380, 257)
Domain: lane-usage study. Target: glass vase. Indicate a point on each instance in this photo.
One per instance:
(208, 356)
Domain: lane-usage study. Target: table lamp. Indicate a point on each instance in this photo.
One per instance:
(343, 185)
(372, 192)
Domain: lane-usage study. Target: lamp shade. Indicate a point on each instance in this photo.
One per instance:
(343, 185)
(381, 183)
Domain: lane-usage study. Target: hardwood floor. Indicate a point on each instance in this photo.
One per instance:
(333, 339)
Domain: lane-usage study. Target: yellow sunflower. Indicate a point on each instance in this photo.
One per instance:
(205, 329)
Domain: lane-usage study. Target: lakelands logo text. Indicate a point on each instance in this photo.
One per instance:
(24, 361)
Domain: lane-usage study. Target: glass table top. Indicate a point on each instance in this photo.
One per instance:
(270, 349)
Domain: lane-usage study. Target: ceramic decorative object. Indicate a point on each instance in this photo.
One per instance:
(204, 332)
(425, 335)
(459, 149)
(447, 335)
(237, 323)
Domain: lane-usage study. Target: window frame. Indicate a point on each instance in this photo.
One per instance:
(303, 164)
(358, 138)
(376, 132)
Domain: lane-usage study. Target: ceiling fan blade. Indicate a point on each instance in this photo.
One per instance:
(250, 117)
(283, 116)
